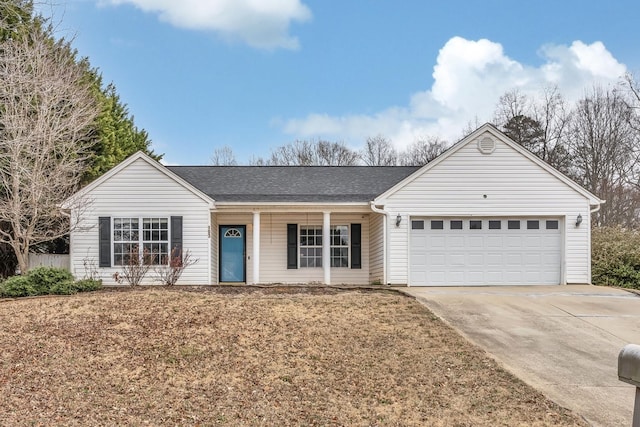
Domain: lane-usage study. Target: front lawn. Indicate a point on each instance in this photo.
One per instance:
(228, 356)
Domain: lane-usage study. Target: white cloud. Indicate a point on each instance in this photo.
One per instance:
(468, 78)
(262, 24)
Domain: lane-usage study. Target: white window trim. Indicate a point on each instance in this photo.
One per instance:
(347, 246)
(300, 227)
(141, 241)
(331, 246)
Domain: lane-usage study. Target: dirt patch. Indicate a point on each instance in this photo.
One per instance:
(255, 357)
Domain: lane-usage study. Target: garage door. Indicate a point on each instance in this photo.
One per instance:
(492, 251)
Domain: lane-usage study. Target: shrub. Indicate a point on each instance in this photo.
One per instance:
(615, 257)
(18, 286)
(63, 288)
(44, 278)
(87, 285)
(169, 274)
(44, 281)
(135, 267)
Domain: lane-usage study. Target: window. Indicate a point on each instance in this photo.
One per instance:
(513, 224)
(126, 239)
(340, 246)
(152, 243)
(533, 224)
(437, 225)
(417, 225)
(155, 239)
(475, 225)
(455, 225)
(310, 246)
(495, 225)
(552, 224)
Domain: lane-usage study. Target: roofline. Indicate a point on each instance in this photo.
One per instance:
(128, 161)
(488, 127)
(294, 203)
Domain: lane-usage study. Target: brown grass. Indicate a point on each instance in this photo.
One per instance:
(251, 357)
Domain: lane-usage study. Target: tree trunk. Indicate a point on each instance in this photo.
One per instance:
(23, 260)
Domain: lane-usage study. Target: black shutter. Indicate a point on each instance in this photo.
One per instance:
(356, 245)
(104, 245)
(176, 236)
(292, 246)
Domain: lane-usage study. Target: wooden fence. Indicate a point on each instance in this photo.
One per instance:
(49, 260)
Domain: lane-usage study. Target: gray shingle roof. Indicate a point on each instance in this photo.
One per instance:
(293, 183)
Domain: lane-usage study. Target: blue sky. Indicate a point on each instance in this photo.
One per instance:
(257, 74)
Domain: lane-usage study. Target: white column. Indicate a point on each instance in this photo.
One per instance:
(256, 247)
(326, 247)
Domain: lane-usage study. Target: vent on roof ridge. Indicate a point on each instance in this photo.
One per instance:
(486, 145)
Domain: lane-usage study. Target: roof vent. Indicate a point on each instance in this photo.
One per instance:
(486, 145)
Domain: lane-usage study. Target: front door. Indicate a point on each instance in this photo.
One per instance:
(232, 253)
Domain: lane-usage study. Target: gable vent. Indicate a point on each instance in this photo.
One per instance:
(486, 145)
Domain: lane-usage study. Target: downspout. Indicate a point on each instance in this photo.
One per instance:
(597, 208)
(384, 236)
(592, 211)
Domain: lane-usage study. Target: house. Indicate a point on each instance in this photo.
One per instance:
(486, 212)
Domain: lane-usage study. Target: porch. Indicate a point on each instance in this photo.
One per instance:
(296, 245)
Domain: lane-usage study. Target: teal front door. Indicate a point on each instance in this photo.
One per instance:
(232, 253)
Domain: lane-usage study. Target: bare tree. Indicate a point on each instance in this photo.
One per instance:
(46, 112)
(223, 156)
(631, 93)
(540, 125)
(313, 153)
(470, 127)
(605, 150)
(422, 151)
(512, 103)
(378, 151)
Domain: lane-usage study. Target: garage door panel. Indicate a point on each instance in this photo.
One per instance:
(456, 260)
(514, 259)
(474, 242)
(456, 277)
(437, 242)
(485, 256)
(494, 242)
(494, 260)
(513, 241)
(475, 260)
(455, 242)
(437, 260)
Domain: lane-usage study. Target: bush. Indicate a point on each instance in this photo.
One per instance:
(44, 278)
(18, 286)
(45, 281)
(615, 257)
(63, 288)
(87, 285)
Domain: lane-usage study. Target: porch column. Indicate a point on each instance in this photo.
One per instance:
(256, 247)
(326, 247)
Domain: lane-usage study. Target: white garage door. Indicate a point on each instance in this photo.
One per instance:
(493, 251)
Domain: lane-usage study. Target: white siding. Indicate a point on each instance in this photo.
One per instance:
(273, 247)
(140, 190)
(376, 249)
(504, 183)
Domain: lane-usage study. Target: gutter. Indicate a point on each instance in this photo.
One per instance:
(597, 208)
(385, 239)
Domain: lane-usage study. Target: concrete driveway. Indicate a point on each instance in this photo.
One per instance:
(562, 340)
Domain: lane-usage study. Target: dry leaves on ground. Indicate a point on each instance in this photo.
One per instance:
(314, 357)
